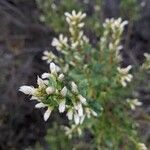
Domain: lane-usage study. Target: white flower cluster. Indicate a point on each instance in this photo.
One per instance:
(75, 25)
(64, 44)
(113, 29)
(133, 103)
(115, 24)
(75, 128)
(146, 64)
(77, 112)
(75, 19)
(45, 91)
(52, 92)
(124, 75)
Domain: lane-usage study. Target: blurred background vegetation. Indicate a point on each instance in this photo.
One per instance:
(26, 30)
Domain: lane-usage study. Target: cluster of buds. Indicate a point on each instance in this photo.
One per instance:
(75, 128)
(75, 25)
(133, 103)
(79, 110)
(115, 24)
(67, 45)
(52, 92)
(124, 75)
(146, 64)
(113, 29)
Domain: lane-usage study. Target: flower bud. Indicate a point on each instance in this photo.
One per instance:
(82, 99)
(47, 113)
(64, 91)
(61, 77)
(27, 89)
(74, 87)
(50, 90)
(40, 82)
(70, 114)
(45, 75)
(53, 68)
(62, 106)
(40, 105)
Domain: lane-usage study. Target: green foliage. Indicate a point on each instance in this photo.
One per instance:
(130, 9)
(52, 11)
(57, 139)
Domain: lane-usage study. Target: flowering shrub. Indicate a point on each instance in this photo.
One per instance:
(90, 86)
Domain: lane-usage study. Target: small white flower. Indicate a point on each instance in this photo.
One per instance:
(76, 118)
(90, 112)
(79, 108)
(133, 103)
(82, 119)
(64, 91)
(124, 75)
(124, 23)
(27, 89)
(79, 131)
(85, 39)
(61, 77)
(82, 99)
(54, 68)
(40, 105)
(124, 70)
(56, 42)
(62, 106)
(94, 113)
(70, 114)
(72, 31)
(60, 43)
(35, 98)
(40, 82)
(50, 90)
(48, 56)
(46, 82)
(47, 113)
(45, 75)
(75, 44)
(142, 146)
(115, 25)
(74, 18)
(80, 25)
(74, 87)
